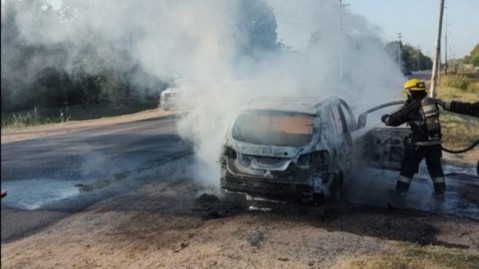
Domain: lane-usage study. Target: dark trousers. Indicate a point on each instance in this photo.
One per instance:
(413, 155)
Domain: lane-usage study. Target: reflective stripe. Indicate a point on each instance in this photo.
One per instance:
(427, 143)
(438, 180)
(406, 180)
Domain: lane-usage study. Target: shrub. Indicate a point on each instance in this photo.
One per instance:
(456, 81)
(24, 119)
(473, 87)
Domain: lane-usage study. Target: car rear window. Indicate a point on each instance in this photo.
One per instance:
(274, 128)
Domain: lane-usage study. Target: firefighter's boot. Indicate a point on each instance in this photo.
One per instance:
(402, 185)
(439, 185)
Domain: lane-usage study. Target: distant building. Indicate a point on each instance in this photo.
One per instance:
(468, 67)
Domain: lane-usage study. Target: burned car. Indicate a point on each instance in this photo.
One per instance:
(299, 150)
(177, 96)
(169, 98)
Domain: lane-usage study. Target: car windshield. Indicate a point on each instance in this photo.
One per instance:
(274, 128)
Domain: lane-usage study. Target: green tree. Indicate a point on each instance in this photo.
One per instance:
(474, 56)
(393, 49)
(22, 64)
(414, 59)
(93, 67)
(411, 58)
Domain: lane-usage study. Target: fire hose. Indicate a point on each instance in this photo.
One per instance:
(461, 150)
(362, 123)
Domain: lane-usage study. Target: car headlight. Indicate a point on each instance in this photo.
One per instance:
(229, 153)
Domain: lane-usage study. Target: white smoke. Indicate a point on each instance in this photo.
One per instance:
(209, 44)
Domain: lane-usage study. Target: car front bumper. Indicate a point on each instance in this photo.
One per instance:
(267, 188)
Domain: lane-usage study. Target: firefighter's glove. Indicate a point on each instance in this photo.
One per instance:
(385, 119)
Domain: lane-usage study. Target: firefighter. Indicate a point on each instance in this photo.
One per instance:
(471, 109)
(422, 115)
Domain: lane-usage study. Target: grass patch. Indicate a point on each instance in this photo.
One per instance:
(42, 116)
(465, 82)
(23, 119)
(459, 131)
(413, 256)
(450, 93)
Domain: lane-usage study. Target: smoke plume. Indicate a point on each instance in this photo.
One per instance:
(225, 52)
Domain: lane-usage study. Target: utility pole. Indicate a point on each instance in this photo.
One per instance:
(455, 62)
(418, 58)
(399, 51)
(341, 6)
(437, 58)
(445, 50)
(445, 43)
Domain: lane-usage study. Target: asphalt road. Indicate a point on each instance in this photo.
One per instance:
(422, 75)
(48, 178)
(69, 172)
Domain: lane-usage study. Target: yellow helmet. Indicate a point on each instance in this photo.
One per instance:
(415, 85)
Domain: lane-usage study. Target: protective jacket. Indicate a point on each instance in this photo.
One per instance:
(471, 109)
(411, 113)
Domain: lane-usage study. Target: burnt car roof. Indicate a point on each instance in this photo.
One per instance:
(306, 105)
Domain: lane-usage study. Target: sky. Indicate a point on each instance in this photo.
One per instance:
(417, 21)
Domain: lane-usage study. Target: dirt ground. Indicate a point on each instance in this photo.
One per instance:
(176, 225)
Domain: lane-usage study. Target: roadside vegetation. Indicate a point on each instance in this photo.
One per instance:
(42, 116)
(459, 131)
(467, 82)
(414, 256)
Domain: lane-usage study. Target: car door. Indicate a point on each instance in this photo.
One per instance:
(342, 139)
(382, 146)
